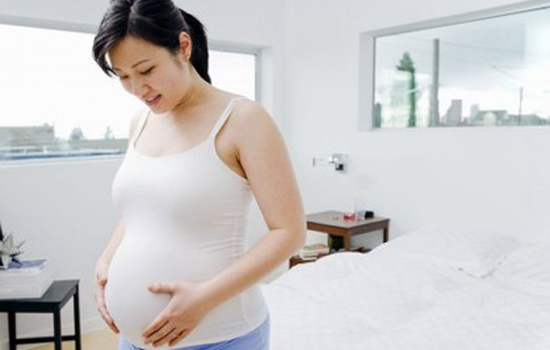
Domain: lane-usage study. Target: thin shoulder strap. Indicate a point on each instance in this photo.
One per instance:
(224, 115)
(140, 127)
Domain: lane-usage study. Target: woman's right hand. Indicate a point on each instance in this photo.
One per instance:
(101, 281)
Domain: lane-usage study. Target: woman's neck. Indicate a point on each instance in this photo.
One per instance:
(199, 92)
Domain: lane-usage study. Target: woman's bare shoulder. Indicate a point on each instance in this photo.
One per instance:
(249, 111)
(251, 122)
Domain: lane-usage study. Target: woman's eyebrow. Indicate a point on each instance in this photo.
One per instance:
(135, 64)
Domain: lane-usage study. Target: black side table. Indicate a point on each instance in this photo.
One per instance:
(52, 301)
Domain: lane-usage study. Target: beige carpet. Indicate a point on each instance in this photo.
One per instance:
(102, 339)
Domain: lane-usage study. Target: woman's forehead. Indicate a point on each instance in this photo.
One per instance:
(131, 51)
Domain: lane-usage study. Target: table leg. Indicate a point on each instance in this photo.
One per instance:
(335, 243)
(57, 329)
(12, 329)
(386, 234)
(78, 341)
(347, 242)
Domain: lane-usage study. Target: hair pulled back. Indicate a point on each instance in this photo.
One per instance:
(157, 21)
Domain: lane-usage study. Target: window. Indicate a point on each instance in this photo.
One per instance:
(485, 69)
(57, 103)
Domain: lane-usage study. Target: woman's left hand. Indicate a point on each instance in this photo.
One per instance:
(187, 307)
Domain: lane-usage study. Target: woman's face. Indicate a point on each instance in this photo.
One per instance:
(151, 73)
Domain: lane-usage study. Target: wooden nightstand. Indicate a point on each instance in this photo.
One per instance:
(340, 231)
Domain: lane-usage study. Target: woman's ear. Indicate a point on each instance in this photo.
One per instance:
(186, 46)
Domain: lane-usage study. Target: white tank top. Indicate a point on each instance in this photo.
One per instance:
(185, 216)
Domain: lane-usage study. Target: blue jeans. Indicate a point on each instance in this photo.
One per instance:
(257, 339)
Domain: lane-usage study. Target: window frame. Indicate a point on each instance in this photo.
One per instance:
(367, 55)
(215, 45)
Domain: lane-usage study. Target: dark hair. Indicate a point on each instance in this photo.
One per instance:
(157, 21)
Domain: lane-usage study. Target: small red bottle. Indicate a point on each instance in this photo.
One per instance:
(349, 216)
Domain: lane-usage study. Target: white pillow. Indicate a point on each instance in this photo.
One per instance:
(476, 252)
(529, 262)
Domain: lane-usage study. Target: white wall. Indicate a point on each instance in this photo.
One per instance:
(487, 177)
(64, 209)
(495, 178)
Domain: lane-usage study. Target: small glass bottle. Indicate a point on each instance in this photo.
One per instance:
(360, 207)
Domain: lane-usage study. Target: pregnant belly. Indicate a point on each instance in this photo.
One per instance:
(127, 298)
(133, 269)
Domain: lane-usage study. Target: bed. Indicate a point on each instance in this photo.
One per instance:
(435, 288)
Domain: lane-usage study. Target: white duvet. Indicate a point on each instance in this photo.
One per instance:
(431, 289)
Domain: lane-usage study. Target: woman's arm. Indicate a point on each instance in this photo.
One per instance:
(263, 155)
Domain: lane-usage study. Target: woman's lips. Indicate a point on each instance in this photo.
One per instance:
(153, 101)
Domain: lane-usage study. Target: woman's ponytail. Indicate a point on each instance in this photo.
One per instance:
(199, 53)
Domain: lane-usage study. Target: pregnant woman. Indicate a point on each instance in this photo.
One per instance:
(176, 274)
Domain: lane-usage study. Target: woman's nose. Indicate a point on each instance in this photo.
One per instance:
(137, 87)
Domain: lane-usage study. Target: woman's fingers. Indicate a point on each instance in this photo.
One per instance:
(108, 319)
(178, 338)
(102, 308)
(158, 331)
(167, 337)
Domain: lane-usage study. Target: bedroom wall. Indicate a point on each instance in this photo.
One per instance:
(63, 209)
(493, 178)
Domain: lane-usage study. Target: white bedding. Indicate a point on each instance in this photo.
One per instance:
(415, 295)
